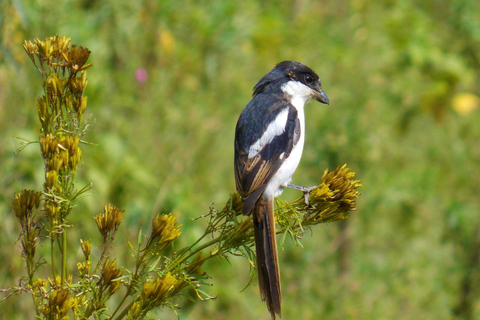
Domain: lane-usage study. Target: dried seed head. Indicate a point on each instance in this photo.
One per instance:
(77, 57)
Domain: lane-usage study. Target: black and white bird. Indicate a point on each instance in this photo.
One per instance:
(269, 141)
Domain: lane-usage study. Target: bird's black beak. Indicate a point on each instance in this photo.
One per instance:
(320, 96)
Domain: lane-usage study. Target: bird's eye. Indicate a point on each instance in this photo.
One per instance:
(308, 79)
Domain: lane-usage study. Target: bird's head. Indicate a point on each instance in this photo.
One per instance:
(295, 79)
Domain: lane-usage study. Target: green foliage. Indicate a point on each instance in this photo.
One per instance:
(402, 77)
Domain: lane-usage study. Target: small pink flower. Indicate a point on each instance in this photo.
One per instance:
(141, 75)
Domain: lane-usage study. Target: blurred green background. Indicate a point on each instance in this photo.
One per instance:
(169, 81)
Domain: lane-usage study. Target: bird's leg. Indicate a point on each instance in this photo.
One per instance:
(306, 190)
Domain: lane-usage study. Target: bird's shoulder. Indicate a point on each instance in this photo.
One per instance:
(258, 115)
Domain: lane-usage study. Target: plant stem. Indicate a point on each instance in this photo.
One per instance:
(129, 289)
(64, 256)
(52, 252)
(180, 260)
(31, 269)
(124, 311)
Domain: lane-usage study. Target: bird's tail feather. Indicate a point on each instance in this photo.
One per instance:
(267, 259)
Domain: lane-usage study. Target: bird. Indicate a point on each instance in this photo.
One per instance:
(269, 139)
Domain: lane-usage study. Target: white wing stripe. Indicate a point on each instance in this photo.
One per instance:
(275, 128)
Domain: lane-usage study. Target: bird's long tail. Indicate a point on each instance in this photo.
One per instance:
(267, 259)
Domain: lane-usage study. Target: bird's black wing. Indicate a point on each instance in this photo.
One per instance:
(253, 174)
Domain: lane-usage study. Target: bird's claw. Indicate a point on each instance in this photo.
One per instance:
(306, 191)
(306, 194)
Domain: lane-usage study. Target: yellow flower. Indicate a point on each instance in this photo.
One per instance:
(52, 209)
(84, 267)
(49, 145)
(134, 311)
(109, 221)
(24, 203)
(110, 272)
(164, 230)
(167, 41)
(60, 303)
(156, 292)
(51, 179)
(86, 248)
(465, 103)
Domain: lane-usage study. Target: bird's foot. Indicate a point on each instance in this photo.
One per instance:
(306, 191)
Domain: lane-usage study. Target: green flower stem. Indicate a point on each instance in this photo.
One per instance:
(134, 278)
(124, 311)
(64, 256)
(178, 261)
(52, 251)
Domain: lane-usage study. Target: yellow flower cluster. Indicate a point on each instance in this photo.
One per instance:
(164, 230)
(110, 272)
(109, 221)
(84, 267)
(332, 200)
(24, 203)
(156, 292)
(55, 51)
(60, 302)
(60, 111)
